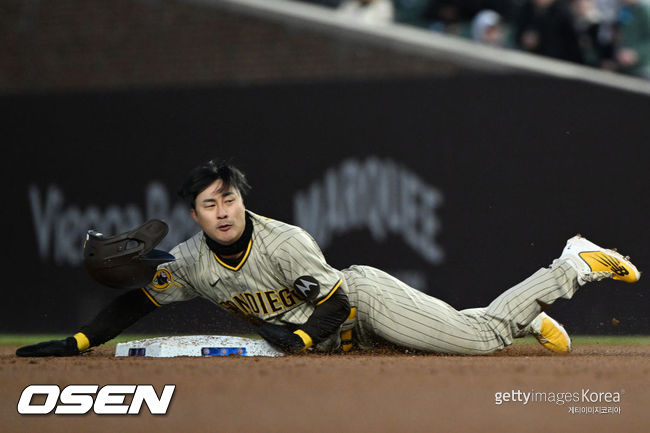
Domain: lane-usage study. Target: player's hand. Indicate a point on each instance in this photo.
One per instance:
(67, 347)
(281, 337)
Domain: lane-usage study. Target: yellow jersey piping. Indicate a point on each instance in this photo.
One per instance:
(241, 262)
(150, 297)
(336, 287)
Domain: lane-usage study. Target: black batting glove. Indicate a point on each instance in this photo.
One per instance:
(67, 347)
(281, 337)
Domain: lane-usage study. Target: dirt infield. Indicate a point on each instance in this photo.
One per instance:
(377, 392)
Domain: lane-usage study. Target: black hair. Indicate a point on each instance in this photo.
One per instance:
(199, 178)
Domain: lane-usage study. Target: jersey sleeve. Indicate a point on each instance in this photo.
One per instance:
(304, 267)
(171, 282)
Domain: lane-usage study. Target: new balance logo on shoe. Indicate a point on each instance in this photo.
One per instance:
(594, 263)
(612, 263)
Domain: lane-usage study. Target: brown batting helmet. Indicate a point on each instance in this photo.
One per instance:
(127, 260)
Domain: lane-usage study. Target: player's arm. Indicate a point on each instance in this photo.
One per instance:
(118, 315)
(303, 265)
(329, 314)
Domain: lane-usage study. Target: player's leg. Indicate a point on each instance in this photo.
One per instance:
(391, 311)
(581, 261)
(399, 314)
(395, 312)
(548, 331)
(518, 311)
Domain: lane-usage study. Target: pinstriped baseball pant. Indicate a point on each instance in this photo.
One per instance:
(389, 310)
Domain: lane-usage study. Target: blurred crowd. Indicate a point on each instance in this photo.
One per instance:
(613, 35)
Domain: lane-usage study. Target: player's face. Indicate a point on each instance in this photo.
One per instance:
(220, 212)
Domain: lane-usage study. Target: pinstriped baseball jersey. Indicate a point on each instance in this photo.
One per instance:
(265, 284)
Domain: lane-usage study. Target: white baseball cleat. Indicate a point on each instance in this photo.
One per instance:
(594, 263)
(550, 333)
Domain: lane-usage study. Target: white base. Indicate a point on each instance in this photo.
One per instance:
(196, 345)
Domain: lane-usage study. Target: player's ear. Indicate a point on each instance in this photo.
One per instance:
(194, 215)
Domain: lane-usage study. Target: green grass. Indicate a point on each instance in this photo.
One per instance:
(25, 339)
(638, 340)
(20, 340)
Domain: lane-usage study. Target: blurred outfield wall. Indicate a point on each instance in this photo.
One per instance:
(459, 181)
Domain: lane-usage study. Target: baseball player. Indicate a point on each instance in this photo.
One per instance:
(274, 275)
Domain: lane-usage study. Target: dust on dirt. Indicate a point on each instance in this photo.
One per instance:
(378, 391)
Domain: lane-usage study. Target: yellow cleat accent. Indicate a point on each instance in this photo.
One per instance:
(593, 263)
(550, 334)
(610, 261)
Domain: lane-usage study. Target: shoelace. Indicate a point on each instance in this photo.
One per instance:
(597, 276)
